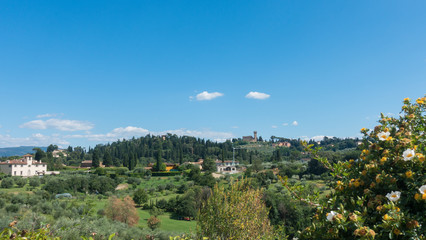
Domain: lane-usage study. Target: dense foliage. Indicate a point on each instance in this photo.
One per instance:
(235, 213)
(382, 194)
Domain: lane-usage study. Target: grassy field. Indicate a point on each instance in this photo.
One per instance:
(167, 223)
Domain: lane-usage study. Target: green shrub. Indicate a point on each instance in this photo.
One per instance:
(7, 182)
(235, 213)
(381, 195)
(20, 181)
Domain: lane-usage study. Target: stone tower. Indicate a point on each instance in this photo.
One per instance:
(255, 136)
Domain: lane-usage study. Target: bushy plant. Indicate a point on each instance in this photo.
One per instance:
(122, 210)
(34, 181)
(235, 213)
(7, 182)
(382, 194)
(20, 181)
(154, 222)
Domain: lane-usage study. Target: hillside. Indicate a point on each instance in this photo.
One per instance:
(18, 151)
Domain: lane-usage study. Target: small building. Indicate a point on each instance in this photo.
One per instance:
(89, 164)
(59, 153)
(26, 167)
(198, 164)
(229, 167)
(281, 144)
(250, 138)
(171, 167)
(86, 164)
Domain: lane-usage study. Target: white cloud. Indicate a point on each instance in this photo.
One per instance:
(315, 138)
(274, 126)
(207, 96)
(294, 123)
(47, 115)
(257, 95)
(129, 132)
(285, 124)
(37, 139)
(59, 124)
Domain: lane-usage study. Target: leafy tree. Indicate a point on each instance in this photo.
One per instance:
(236, 213)
(7, 182)
(209, 165)
(95, 159)
(20, 181)
(122, 210)
(158, 157)
(51, 148)
(153, 222)
(257, 165)
(39, 154)
(34, 182)
(382, 194)
(107, 159)
(140, 196)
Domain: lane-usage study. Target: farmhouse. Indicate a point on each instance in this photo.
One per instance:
(226, 166)
(25, 167)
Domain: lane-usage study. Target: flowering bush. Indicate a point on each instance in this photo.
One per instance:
(382, 194)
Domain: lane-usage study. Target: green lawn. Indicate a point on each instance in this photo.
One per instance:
(168, 224)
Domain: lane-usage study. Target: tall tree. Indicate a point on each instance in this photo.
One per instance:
(158, 158)
(209, 165)
(95, 159)
(107, 159)
(52, 148)
(39, 154)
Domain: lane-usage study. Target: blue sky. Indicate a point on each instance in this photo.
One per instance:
(89, 72)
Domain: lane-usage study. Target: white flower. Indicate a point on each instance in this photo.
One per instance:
(408, 154)
(394, 196)
(331, 215)
(422, 189)
(383, 135)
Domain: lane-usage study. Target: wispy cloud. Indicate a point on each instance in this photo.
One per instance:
(294, 123)
(37, 139)
(205, 96)
(257, 95)
(48, 115)
(59, 124)
(274, 126)
(315, 138)
(285, 124)
(129, 132)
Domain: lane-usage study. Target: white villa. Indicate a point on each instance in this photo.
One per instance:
(226, 166)
(25, 167)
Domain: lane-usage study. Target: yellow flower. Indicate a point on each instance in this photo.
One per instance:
(421, 157)
(379, 208)
(363, 129)
(406, 99)
(417, 196)
(389, 139)
(396, 231)
(424, 196)
(420, 101)
(387, 217)
(365, 151)
(409, 174)
(383, 160)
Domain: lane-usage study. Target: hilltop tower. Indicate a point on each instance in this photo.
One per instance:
(255, 136)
